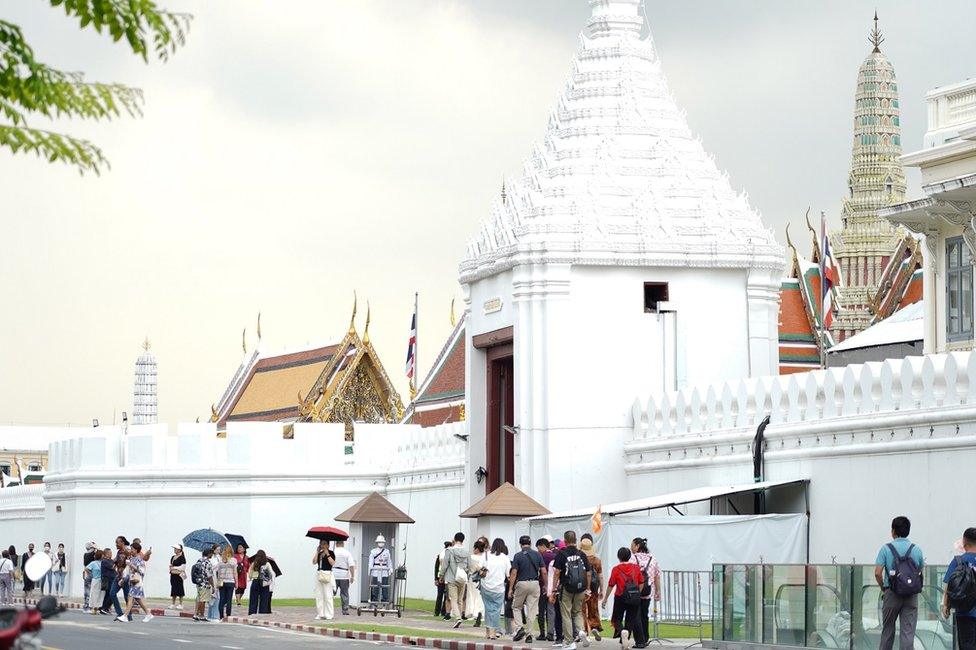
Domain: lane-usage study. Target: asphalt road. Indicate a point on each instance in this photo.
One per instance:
(73, 630)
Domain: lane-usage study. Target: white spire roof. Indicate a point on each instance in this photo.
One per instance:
(619, 178)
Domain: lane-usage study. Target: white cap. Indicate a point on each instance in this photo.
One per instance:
(380, 539)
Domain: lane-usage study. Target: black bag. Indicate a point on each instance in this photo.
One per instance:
(631, 594)
(645, 591)
(196, 574)
(961, 587)
(573, 577)
(906, 578)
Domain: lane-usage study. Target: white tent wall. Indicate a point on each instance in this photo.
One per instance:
(691, 543)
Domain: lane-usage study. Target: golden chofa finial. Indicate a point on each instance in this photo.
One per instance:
(244, 340)
(366, 331)
(145, 344)
(352, 319)
(259, 327)
(213, 412)
(876, 38)
(453, 317)
(789, 242)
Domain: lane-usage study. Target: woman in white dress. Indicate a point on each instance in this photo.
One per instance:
(475, 605)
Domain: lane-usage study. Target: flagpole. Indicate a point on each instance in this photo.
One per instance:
(416, 345)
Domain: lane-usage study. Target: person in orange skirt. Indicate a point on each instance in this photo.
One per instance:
(591, 606)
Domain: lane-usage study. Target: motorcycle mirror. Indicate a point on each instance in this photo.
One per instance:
(37, 566)
(48, 606)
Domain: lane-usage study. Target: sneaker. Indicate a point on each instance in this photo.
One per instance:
(477, 621)
(557, 644)
(147, 618)
(528, 638)
(518, 636)
(583, 639)
(457, 623)
(625, 639)
(596, 635)
(571, 646)
(121, 619)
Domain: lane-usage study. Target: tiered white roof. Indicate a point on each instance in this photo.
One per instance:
(619, 178)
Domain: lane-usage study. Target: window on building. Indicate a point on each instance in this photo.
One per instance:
(959, 291)
(34, 467)
(5, 468)
(654, 293)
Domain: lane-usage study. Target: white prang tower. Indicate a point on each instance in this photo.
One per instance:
(144, 400)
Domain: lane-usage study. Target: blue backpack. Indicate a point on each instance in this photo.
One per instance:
(906, 578)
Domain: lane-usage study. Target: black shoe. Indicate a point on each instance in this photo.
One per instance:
(518, 636)
(457, 623)
(528, 638)
(446, 618)
(477, 621)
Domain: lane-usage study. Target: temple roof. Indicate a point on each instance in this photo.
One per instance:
(506, 501)
(619, 178)
(375, 509)
(342, 382)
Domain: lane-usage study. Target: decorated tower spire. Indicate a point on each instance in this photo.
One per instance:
(144, 399)
(876, 180)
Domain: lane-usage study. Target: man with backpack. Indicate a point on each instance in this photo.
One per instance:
(627, 582)
(572, 572)
(960, 591)
(898, 571)
(524, 587)
(454, 573)
(203, 577)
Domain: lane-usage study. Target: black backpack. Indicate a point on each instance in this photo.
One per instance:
(196, 574)
(961, 587)
(631, 594)
(573, 577)
(906, 578)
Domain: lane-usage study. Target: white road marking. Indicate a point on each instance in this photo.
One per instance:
(182, 641)
(232, 647)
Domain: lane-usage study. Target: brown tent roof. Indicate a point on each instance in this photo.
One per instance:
(506, 501)
(375, 509)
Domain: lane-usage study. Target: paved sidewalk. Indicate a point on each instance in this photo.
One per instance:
(414, 628)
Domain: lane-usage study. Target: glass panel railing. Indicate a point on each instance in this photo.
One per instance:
(817, 606)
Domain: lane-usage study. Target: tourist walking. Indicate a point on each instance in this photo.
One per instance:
(213, 607)
(243, 566)
(110, 598)
(898, 571)
(626, 581)
(93, 576)
(60, 570)
(201, 575)
(573, 573)
(324, 560)
(87, 559)
(344, 573)
(15, 559)
(261, 576)
(6, 579)
(177, 574)
(439, 602)
(136, 569)
(226, 580)
(591, 606)
(545, 629)
(28, 583)
(651, 591)
(454, 573)
(524, 590)
(494, 575)
(474, 604)
(959, 594)
(121, 581)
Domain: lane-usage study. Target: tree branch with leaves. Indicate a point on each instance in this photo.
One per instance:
(31, 88)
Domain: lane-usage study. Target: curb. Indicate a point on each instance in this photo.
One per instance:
(417, 641)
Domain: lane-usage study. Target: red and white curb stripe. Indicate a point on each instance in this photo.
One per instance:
(418, 641)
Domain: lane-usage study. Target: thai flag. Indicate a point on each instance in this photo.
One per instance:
(412, 347)
(828, 275)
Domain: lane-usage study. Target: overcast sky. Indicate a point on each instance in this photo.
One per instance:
(296, 150)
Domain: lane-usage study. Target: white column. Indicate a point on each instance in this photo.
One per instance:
(762, 296)
(930, 259)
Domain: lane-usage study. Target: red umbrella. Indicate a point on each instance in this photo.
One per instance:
(327, 533)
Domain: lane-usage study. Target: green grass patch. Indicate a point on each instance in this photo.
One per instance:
(673, 631)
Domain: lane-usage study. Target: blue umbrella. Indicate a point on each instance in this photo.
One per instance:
(204, 538)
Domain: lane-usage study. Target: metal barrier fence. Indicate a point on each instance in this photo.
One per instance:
(686, 599)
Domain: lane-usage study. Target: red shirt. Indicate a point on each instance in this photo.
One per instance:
(620, 574)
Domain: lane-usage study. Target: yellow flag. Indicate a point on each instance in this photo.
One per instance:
(597, 520)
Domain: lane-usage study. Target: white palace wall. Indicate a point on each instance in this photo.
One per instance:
(875, 440)
(158, 486)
